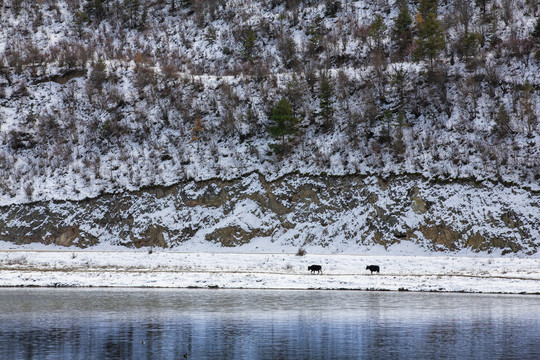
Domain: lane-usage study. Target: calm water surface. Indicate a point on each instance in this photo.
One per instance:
(265, 324)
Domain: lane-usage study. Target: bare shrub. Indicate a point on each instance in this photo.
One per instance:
(29, 190)
(98, 74)
(19, 260)
(144, 77)
(168, 70)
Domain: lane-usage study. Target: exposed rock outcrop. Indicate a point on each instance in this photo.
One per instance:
(297, 210)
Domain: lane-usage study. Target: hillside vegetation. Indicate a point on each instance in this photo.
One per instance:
(106, 95)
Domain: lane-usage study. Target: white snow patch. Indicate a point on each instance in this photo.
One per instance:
(268, 271)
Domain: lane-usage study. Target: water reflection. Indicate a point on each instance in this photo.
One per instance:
(247, 324)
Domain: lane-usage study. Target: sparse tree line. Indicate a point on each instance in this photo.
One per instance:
(142, 87)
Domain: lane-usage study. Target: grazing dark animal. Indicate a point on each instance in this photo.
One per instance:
(373, 268)
(313, 268)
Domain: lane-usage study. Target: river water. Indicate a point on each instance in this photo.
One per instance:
(41, 323)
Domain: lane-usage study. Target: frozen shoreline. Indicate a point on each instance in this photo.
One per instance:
(84, 268)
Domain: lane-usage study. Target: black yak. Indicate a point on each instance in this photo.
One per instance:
(317, 268)
(373, 268)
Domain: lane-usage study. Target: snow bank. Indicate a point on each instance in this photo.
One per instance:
(268, 271)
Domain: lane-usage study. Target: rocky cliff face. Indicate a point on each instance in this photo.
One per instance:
(336, 212)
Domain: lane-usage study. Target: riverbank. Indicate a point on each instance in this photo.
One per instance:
(268, 271)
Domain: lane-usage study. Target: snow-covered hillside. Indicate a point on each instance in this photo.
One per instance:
(339, 125)
(105, 95)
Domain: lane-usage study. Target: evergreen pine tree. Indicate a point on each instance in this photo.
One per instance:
(430, 41)
(96, 8)
(287, 46)
(399, 82)
(295, 91)
(502, 122)
(426, 7)
(376, 31)
(468, 44)
(98, 74)
(132, 9)
(249, 44)
(79, 20)
(402, 31)
(315, 33)
(332, 7)
(326, 101)
(536, 32)
(284, 123)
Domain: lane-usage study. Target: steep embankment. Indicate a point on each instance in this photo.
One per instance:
(340, 213)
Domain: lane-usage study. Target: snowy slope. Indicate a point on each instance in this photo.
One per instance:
(146, 124)
(109, 105)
